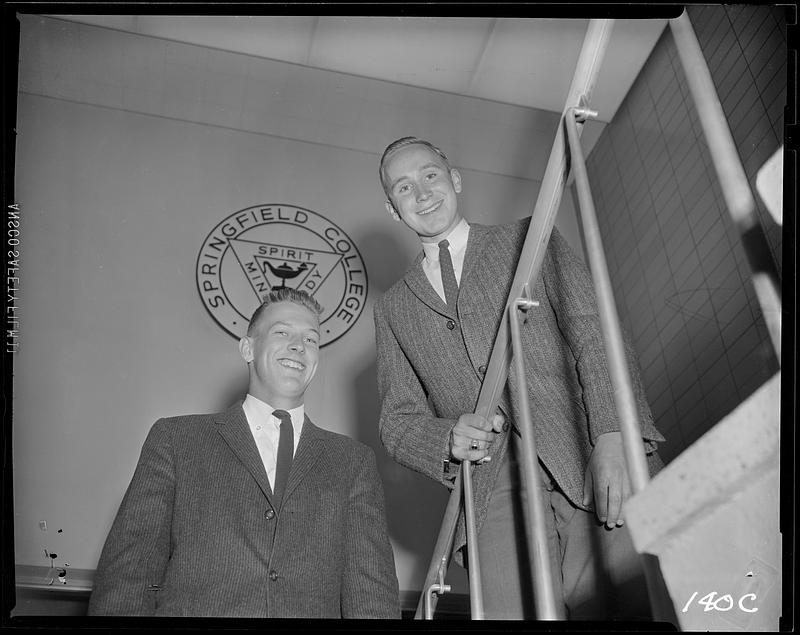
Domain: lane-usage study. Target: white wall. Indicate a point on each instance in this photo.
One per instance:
(130, 150)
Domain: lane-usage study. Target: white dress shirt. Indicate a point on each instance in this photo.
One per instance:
(266, 430)
(458, 247)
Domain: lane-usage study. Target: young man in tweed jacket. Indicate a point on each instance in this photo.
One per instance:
(434, 338)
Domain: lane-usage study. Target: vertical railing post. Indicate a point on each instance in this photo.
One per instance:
(439, 588)
(619, 372)
(731, 174)
(443, 547)
(548, 606)
(473, 562)
(624, 398)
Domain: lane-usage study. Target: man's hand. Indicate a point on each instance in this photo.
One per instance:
(473, 435)
(606, 479)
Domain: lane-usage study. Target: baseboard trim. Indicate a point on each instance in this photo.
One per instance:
(79, 581)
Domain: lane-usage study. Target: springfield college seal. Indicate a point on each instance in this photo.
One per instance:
(266, 246)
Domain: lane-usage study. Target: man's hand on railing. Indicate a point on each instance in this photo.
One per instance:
(472, 436)
(606, 481)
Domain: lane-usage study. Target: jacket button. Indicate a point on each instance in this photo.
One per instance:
(451, 325)
(482, 370)
(270, 514)
(273, 575)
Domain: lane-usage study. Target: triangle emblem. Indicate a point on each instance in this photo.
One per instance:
(268, 266)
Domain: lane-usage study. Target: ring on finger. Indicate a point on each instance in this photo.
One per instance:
(474, 444)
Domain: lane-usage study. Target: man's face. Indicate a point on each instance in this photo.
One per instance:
(284, 350)
(422, 191)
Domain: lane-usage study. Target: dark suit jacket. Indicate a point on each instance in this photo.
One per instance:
(432, 355)
(197, 533)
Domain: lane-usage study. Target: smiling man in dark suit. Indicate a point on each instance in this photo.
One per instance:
(435, 330)
(253, 512)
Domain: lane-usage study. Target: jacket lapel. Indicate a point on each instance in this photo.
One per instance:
(306, 458)
(473, 257)
(420, 286)
(233, 427)
(475, 264)
(418, 282)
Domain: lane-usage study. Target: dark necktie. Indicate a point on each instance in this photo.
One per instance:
(285, 453)
(448, 275)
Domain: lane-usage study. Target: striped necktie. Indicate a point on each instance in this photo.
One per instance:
(448, 275)
(285, 454)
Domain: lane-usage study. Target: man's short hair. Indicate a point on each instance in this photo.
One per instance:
(402, 143)
(284, 294)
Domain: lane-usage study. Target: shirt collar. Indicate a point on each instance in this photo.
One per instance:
(457, 238)
(264, 411)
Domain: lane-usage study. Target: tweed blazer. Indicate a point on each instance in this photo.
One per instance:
(197, 533)
(432, 358)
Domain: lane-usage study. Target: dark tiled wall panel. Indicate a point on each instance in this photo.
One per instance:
(680, 275)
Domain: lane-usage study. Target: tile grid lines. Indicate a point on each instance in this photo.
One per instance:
(740, 134)
(769, 47)
(692, 379)
(599, 195)
(657, 224)
(758, 97)
(731, 80)
(671, 165)
(750, 141)
(607, 233)
(776, 106)
(717, 52)
(766, 22)
(683, 330)
(624, 210)
(780, 22)
(712, 177)
(780, 69)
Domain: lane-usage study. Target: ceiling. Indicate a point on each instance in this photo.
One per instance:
(521, 61)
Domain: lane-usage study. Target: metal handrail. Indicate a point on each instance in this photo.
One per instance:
(444, 546)
(587, 68)
(624, 399)
(474, 565)
(731, 174)
(545, 603)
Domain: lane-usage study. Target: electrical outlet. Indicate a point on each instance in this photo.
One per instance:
(43, 525)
